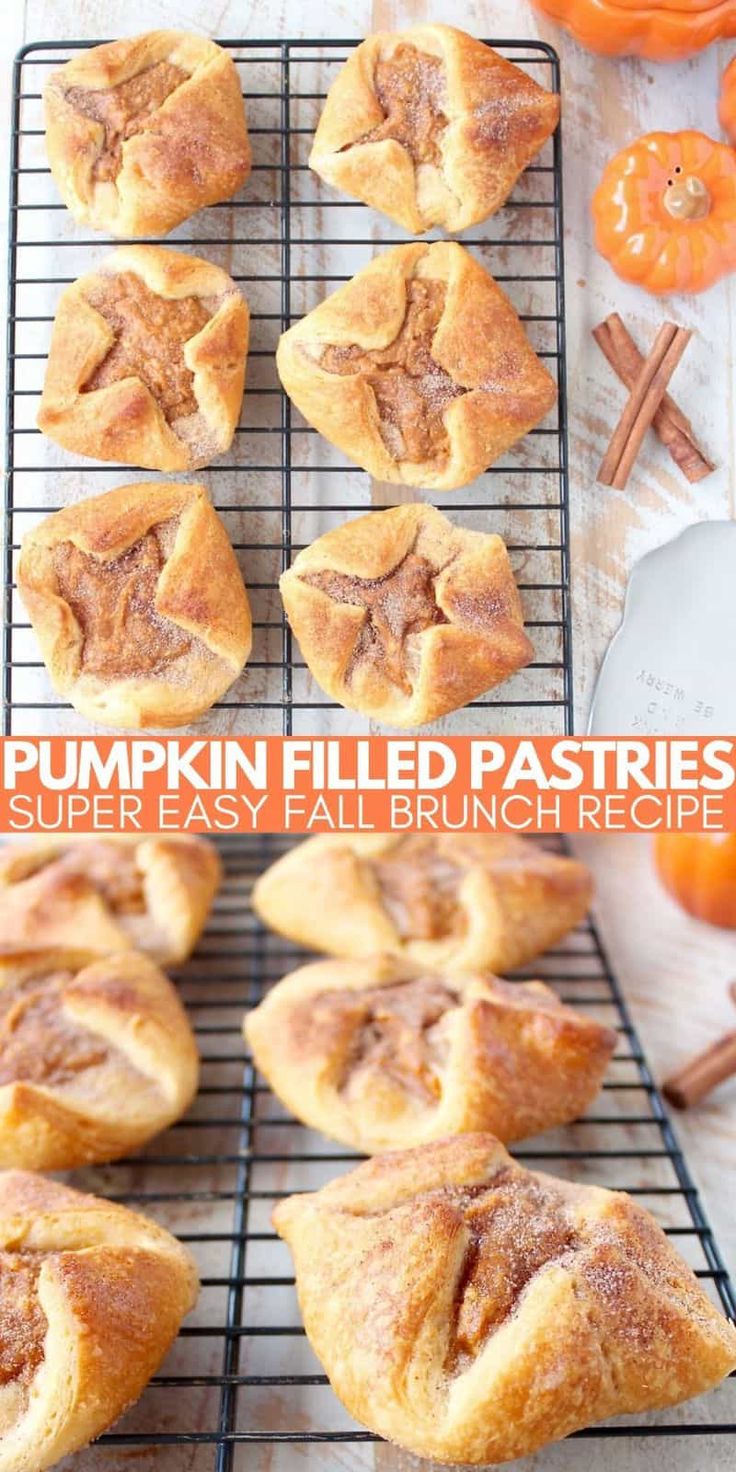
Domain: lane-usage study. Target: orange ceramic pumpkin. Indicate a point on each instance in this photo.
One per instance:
(727, 104)
(665, 212)
(664, 30)
(699, 870)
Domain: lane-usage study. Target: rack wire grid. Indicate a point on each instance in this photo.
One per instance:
(288, 241)
(241, 1388)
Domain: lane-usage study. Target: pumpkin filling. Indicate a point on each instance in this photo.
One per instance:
(22, 1322)
(113, 602)
(411, 389)
(397, 606)
(418, 885)
(396, 1034)
(125, 110)
(39, 1043)
(111, 868)
(410, 87)
(150, 334)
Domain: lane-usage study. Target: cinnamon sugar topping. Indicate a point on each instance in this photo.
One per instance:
(111, 868)
(411, 88)
(397, 1033)
(39, 1042)
(419, 886)
(125, 110)
(150, 334)
(22, 1320)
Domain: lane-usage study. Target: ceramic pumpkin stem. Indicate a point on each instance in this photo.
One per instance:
(687, 198)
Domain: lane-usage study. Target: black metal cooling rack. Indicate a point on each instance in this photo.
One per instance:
(241, 1383)
(289, 241)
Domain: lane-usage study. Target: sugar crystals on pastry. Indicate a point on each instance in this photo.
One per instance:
(403, 616)
(418, 369)
(92, 1296)
(458, 901)
(381, 1054)
(431, 126)
(94, 1060)
(138, 603)
(147, 361)
(142, 132)
(473, 1311)
(96, 895)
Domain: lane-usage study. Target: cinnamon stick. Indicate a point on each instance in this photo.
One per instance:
(669, 423)
(702, 1074)
(645, 398)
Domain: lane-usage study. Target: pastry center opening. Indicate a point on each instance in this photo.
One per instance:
(397, 1035)
(112, 869)
(125, 110)
(411, 389)
(150, 334)
(23, 1322)
(39, 1043)
(114, 604)
(410, 86)
(419, 886)
(397, 606)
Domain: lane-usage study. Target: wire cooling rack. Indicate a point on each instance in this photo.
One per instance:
(241, 1388)
(288, 241)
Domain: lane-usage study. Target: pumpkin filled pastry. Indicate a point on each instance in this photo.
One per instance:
(141, 133)
(95, 895)
(380, 1054)
(147, 361)
(431, 127)
(473, 1311)
(461, 902)
(418, 369)
(94, 1060)
(138, 603)
(92, 1296)
(403, 616)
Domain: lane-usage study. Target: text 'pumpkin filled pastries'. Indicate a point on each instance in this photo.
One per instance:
(92, 1296)
(431, 126)
(95, 895)
(147, 361)
(405, 617)
(380, 1054)
(137, 601)
(461, 902)
(473, 1311)
(142, 132)
(418, 369)
(94, 1060)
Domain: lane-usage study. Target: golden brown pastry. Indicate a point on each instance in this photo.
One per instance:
(141, 133)
(403, 616)
(473, 1311)
(381, 1054)
(460, 902)
(418, 369)
(147, 361)
(138, 604)
(92, 896)
(431, 127)
(92, 1296)
(94, 1060)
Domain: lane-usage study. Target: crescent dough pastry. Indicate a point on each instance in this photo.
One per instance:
(380, 1054)
(91, 896)
(418, 369)
(147, 361)
(403, 616)
(92, 1296)
(93, 1061)
(143, 132)
(137, 601)
(431, 127)
(457, 902)
(473, 1311)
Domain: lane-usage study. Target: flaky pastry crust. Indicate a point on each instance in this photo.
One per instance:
(418, 368)
(94, 1061)
(138, 604)
(431, 127)
(382, 1055)
(169, 405)
(92, 1296)
(457, 902)
(473, 1311)
(141, 160)
(90, 896)
(405, 617)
